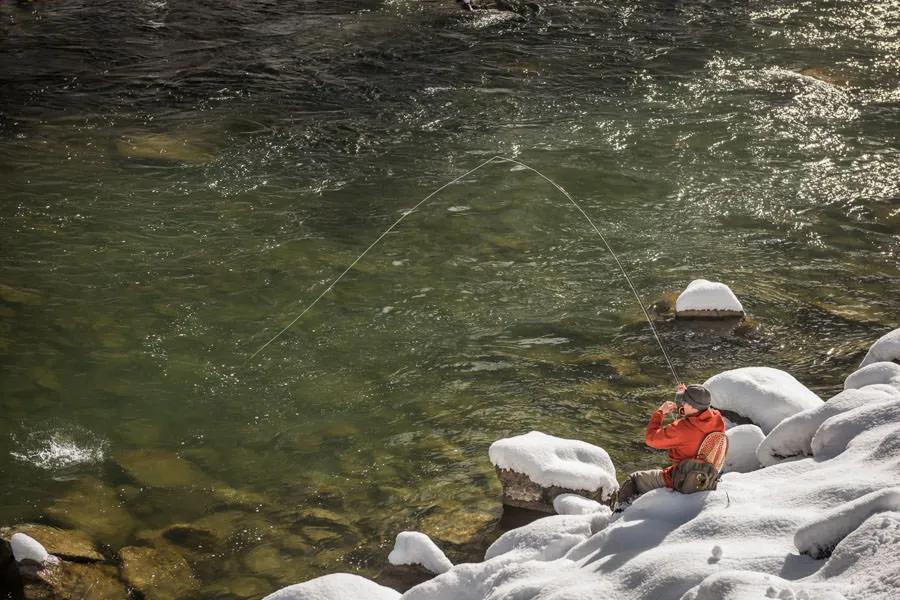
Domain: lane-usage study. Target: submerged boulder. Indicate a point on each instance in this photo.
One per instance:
(158, 573)
(535, 468)
(704, 299)
(162, 146)
(64, 543)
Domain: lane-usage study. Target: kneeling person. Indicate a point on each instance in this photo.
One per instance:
(682, 438)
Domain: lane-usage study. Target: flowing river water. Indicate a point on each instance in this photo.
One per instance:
(178, 179)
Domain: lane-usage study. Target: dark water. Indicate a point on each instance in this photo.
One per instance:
(179, 179)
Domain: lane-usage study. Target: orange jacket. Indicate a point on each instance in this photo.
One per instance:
(682, 437)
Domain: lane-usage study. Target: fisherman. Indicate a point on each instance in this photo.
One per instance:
(682, 438)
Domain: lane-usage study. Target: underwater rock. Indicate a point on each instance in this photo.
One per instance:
(14, 295)
(160, 468)
(826, 75)
(457, 527)
(66, 544)
(161, 146)
(157, 573)
(94, 508)
(704, 299)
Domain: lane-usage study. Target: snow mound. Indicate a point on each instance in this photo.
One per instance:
(820, 536)
(749, 585)
(834, 435)
(27, 548)
(552, 461)
(742, 443)
(573, 504)
(701, 294)
(414, 548)
(545, 539)
(873, 374)
(764, 395)
(885, 349)
(337, 586)
(793, 436)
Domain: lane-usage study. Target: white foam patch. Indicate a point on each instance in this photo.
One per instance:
(52, 450)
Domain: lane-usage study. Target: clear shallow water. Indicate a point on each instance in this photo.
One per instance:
(754, 145)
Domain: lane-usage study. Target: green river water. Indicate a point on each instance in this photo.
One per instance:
(178, 180)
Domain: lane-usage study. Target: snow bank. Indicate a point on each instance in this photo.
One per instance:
(764, 395)
(819, 537)
(742, 443)
(27, 548)
(875, 373)
(545, 539)
(414, 548)
(835, 434)
(573, 504)
(701, 294)
(552, 461)
(337, 586)
(885, 349)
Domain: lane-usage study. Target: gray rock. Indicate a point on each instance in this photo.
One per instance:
(66, 544)
(521, 492)
(73, 581)
(157, 573)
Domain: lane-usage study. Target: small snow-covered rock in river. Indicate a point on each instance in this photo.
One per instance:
(873, 374)
(25, 548)
(707, 299)
(764, 395)
(742, 443)
(414, 548)
(337, 586)
(573, 504)
(535, 468)
(885, 349)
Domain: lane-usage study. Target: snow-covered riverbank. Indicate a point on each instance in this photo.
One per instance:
(821, 521)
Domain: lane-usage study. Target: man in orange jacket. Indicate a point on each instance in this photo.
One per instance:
(682, 438)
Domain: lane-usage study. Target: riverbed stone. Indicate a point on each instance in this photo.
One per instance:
(66, 580)
(162, 146)
(520, 491)
(94, 508)
(456, 527)
(157, 573)
(160, 468)
(65, 543)
(14, 295)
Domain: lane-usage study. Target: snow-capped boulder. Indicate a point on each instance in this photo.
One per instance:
(835, 434)
(414, 548)
(707, 299)
(573, 504)
(792, 438)
(26, 548)
(742, 443)
(545, 539)
(337, 586)
(820, 536)
(873, 374)
(764, 395)
(885, 349)
(535, 468)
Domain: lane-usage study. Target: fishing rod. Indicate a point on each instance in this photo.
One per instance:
(493, 159)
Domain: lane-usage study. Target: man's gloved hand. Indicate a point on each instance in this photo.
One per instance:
(667, 407)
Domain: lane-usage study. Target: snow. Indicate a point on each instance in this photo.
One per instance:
(885, 349)
(764, 395)
(28, 548)
(744, 540)
(874, 373)
(793, 437)
(742, 443)
(573, 504)
(820, 536)
(414, 548)
(552, 461)
(701, 294)
(337, 586)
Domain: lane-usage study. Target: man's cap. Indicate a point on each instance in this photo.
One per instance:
(695, 395)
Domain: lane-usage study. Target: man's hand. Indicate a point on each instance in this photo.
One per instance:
(667, 407)
(680, 387)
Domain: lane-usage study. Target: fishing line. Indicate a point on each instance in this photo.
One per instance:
(561, 189)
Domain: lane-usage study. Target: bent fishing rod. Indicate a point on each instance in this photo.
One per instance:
(492, 160)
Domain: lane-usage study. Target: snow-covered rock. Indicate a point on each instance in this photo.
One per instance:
(337, 586)
(873, 374)
(545, 539)
(820, 536)
(702, 298)
(573, 504)
(26, 548)
(764, 395)
(885, 349)
(835, 434)
(414, 548)
(792, 437)
(535, 467)
(742, 443)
